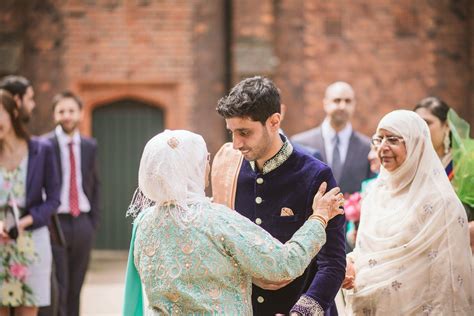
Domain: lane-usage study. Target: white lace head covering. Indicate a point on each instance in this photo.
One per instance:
(172, 173)
(412, 251)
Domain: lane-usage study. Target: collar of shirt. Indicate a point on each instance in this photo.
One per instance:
(276, 161)
(328, 136)
(65, 139)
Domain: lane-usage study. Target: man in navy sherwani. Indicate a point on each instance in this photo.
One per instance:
(275, 187)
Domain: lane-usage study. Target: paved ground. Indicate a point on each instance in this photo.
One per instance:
(102, 294)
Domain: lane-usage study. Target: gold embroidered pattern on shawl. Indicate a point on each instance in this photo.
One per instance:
(188, 275)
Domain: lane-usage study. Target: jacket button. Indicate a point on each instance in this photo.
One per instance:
(258, 221)
(259, 180)
(260, 299)
(258, 200)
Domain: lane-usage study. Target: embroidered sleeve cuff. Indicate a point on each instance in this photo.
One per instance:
(307, 306)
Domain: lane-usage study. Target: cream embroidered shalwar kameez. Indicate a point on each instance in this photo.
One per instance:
(412, 254)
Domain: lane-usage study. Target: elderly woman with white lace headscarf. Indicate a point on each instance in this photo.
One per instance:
(412, 254)
(192, 256)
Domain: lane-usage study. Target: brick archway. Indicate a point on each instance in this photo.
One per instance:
(162, 95)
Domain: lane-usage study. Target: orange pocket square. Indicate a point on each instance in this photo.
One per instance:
(285, 211)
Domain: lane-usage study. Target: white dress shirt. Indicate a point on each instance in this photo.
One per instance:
(328, 136)
(64, 140)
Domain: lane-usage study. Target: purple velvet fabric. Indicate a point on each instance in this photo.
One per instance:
(293, 185)
(42, 174)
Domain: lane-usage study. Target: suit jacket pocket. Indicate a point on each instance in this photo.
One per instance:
(283, 227)
(278, 219)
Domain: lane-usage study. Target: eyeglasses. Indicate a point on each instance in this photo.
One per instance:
(377, 141)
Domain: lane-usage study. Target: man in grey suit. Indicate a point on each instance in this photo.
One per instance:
(342, 148)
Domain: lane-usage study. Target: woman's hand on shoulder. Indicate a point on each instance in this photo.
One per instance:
(327, 205)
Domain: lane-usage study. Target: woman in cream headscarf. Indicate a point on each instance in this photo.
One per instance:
(412, 254)
(195, 257)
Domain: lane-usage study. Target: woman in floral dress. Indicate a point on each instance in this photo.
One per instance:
(27, 170)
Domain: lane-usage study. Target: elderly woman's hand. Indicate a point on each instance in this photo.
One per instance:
(327, 205)
(349, 279)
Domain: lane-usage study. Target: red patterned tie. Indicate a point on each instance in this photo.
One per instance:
(73, 197)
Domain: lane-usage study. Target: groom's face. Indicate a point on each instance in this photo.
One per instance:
(252, 138)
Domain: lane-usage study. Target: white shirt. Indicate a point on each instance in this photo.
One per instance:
(328, 136)
(64, 140)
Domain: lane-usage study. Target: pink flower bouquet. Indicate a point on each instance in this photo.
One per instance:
(352, 207)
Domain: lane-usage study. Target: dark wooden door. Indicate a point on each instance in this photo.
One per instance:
(122, 129)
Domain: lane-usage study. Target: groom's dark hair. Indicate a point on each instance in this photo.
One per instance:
(257, 98)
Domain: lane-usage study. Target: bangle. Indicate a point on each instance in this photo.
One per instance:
(319, 218)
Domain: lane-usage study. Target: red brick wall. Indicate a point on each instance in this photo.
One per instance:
(454, 40)
(291, 73)
(166, 53)
(172, 54)
(134, 44)
(393, 53)
(209, 71)
(253, 45)
(42, 37)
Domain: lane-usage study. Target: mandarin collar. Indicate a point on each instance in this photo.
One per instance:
(276, 161)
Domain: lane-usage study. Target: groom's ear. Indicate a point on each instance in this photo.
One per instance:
(274, 121)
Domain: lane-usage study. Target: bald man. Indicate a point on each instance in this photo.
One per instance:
(342, 148)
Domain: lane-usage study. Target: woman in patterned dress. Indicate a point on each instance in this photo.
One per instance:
(195, 257)
(28, 179)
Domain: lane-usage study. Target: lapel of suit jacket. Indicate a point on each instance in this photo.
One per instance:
(352, 151)
(32, 161)
(319, 142)
(57, 153)
(83, 160)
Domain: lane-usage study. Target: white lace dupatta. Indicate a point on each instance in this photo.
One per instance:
(171, 176)
(412, 253)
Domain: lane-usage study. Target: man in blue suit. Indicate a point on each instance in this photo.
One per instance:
(79, 209)
(274, 186)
